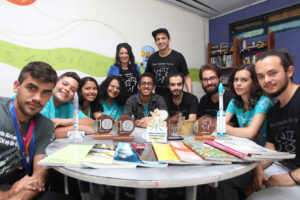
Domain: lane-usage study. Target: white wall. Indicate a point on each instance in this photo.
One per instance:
(98, 26)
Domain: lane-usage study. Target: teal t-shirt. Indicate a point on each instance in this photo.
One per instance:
(244, 118)
(146, 110)
(64, 111)
(114, 110)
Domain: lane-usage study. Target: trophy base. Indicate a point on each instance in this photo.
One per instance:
(102, 137)
(175, 138)
(123, 138)
(205, 137)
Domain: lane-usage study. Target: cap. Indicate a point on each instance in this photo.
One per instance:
(160, 30)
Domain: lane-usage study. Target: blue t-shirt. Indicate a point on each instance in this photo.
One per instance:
(244, 118)
(64, 111)
(114, 110)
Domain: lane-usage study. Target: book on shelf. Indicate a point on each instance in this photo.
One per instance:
(144, 151)
(69, 156)
(187, 155)
(208, 152)
(101, 156)
(253, 150)
(125, 155)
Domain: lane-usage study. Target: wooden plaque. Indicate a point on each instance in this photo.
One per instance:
(173, 127)
(125, 127)
(204, 125)
(103, 126)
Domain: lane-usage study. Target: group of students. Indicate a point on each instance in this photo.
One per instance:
(42, 106)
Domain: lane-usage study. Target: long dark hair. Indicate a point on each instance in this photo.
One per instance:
(121, 98)
(95, 105)
(131, 62)
(255, 93)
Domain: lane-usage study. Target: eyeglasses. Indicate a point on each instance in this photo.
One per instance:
(146, 83)
(211, 79)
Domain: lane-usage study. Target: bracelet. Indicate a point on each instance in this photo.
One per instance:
(290, 173)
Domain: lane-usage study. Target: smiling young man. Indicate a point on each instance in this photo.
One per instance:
(60, 109)
(274, 70)
(139, 106)
(25, 133)
(210, 78)
(165, 60)
(179, 100)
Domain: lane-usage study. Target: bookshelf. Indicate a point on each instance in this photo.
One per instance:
(237, 54)
(241, 52)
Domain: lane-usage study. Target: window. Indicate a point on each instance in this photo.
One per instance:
(280, 20)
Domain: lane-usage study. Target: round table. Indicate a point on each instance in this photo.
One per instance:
(142, 178)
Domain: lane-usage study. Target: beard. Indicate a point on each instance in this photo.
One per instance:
(177, 93)
(29, 113)
(210, 92)
(278, 92)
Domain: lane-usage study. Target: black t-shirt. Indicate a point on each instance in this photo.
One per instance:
(162, 66)
(207, 107)
(188, 104)
(283, 129)
(130, 81)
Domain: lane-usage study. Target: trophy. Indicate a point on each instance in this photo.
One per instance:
(103, 126)
(204, 126)
(173, 127)
(125, 127)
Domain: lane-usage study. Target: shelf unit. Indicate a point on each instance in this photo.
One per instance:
(238, 54)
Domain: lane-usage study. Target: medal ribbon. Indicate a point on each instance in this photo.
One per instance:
(24, 144)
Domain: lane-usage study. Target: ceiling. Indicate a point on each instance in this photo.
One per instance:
(212, 8)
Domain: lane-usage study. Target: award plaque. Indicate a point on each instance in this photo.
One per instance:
(157, 130)
(204, 125)
(125, 127)
(103, 126)
(173, 127)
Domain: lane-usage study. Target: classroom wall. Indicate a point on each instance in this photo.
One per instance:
(82, 35)
(289, 40)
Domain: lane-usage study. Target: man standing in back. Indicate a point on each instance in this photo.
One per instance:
(165, 60)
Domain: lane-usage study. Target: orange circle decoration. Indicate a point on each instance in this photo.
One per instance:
(22, 2)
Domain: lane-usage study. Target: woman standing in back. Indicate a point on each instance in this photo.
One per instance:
(126, 68)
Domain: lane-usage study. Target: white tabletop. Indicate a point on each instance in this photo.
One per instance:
(171, 176)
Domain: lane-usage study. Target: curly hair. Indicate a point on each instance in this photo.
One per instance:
(95, 105)
(255, 92)
(121, 98)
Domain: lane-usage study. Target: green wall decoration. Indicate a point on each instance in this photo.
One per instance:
(87, 62)
(59, 58)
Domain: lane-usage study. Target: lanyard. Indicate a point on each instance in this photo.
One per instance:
(24, 144)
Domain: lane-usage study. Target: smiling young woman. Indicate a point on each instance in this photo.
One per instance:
(113, 96)
(126, 68)
(89, 96)
(249, 105)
